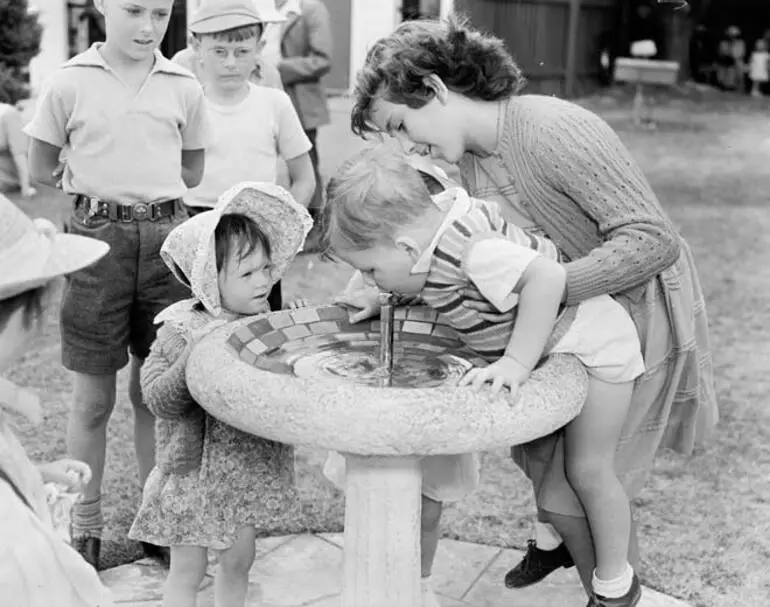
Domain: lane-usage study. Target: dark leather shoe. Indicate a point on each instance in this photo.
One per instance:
(89, 548)
(630, 599)
(161, 554)
(537, 564)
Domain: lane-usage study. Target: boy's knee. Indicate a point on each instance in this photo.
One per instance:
(589, 474)
(430, 516)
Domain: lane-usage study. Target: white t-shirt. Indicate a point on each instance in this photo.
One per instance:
(247, 139)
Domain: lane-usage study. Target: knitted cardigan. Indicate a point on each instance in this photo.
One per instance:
(180, 424)
(581, 185)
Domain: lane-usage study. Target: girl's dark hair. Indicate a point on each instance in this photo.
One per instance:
(467, 61)
(240, 235)
(30, 301)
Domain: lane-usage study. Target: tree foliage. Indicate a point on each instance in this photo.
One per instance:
(20, 35)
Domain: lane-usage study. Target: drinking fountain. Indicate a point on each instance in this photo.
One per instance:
(383, 393)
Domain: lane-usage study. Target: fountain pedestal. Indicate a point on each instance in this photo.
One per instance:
(256, 375)
(382, 532)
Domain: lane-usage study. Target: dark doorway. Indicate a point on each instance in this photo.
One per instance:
(176, 34)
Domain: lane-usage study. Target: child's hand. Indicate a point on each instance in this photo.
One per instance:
(361, 297)
(298, 302)
(71, 473)
(58, 174)
(504, 372)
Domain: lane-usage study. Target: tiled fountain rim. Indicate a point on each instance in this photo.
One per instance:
(367, 420)
(258, 338)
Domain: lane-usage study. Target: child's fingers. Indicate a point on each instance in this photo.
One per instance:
(362, 314)
(497, 384)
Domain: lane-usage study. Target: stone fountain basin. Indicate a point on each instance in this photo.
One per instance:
(242, 373)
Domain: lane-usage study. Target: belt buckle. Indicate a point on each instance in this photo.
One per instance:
(141, 211)
(92, 208)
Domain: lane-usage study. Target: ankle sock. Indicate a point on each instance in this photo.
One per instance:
(546, 536)
(87, 518)
(615, 588)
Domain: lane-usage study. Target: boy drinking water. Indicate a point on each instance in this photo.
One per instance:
(134, 125)
(252, 126)
(381, 219)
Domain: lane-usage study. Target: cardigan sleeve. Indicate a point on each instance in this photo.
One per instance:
(579, 156)
(164, 386)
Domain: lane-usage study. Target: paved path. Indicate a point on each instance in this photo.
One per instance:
(305, 571)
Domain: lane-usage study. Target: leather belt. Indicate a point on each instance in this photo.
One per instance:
(115, 211)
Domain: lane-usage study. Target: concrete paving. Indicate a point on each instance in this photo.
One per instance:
(306, 571)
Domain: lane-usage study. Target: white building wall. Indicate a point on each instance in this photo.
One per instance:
(370, 20)
(52, 15)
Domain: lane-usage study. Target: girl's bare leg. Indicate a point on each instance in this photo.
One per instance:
(231, 584)
(188, 567)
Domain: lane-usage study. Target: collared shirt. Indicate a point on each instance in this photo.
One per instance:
(271, 52)
(122, 146)
(495, 260)
(456, 202)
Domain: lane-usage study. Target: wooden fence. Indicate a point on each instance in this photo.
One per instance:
(539, 34)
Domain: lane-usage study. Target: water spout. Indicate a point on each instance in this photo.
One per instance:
(386, 338)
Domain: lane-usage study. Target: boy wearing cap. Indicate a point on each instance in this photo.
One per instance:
(134, 125)
(252, 126)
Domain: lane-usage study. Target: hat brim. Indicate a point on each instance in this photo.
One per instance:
(222, 23)
(69, 253)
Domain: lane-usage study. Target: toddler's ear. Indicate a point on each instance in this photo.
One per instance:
(410, 246)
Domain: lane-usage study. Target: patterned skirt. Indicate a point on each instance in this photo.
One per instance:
(674, 402)
(243, 480)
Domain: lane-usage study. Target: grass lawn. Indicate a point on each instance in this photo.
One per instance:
(704, 520)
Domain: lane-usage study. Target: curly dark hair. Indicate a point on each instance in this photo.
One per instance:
(469, 62)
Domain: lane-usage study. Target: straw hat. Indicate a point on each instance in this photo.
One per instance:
(32, 252)
(189, 249)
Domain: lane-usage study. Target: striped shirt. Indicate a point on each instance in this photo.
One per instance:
(448, 274)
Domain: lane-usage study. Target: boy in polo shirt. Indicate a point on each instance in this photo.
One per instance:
(252, 126)
(134, 125)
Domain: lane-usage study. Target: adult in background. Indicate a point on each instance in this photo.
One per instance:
(301, 49)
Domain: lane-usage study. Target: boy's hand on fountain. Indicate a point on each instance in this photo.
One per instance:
(506, 372)
(361, 297)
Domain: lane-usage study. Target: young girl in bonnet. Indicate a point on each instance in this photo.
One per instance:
(213, 486)
(36, 566)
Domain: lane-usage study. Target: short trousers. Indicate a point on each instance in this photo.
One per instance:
(109, 308)
(445, 478)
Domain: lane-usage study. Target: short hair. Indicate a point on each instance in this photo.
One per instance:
(369, 198)
(235, 34)
(469, 62)
(237, 234)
